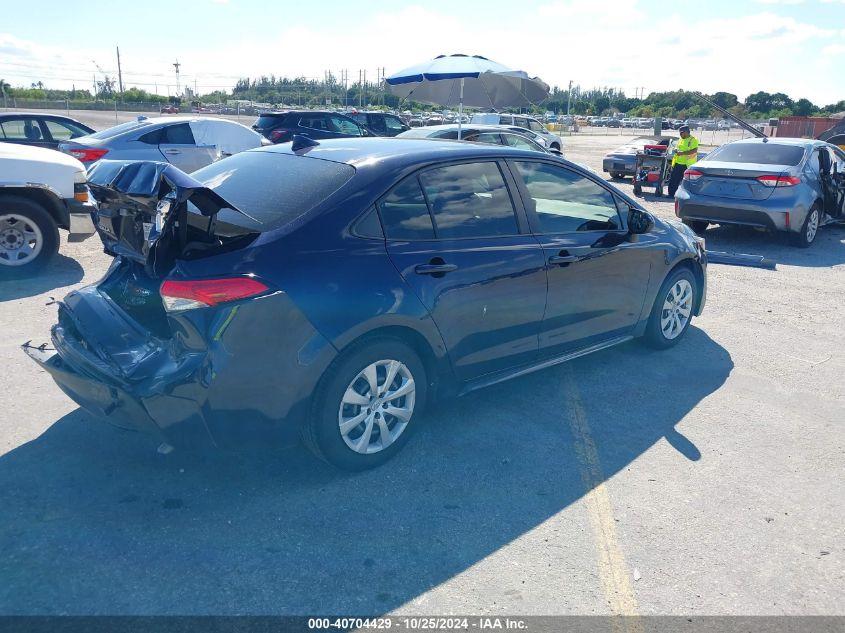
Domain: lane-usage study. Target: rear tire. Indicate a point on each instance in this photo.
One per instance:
(672, 311)
(29, 237)
(699, 226)
(617, 176)
(348, 423)
(810, 228)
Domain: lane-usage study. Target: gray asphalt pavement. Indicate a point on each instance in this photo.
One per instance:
(706, 479)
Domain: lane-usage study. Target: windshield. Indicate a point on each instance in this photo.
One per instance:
(273, 188)
(119, 129)
(760, 153)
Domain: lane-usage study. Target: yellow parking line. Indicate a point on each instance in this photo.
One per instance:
(613, 571)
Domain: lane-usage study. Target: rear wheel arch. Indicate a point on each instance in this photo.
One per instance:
(434, 369)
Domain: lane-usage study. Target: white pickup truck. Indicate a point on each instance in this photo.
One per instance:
(41, 191)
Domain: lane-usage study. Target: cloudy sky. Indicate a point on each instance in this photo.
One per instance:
(791, 46)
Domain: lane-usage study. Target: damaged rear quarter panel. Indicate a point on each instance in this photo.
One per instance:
(262, 360)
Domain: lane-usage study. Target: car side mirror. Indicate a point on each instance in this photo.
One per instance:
(639, 221)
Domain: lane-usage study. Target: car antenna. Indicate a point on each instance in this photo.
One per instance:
(301, 141)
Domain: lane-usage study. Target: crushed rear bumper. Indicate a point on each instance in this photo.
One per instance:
(167, 419)
(227, 377)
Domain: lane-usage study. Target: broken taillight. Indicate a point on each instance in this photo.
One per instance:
(87, 155)
(778, 181)
(692, 175)
(184, 294)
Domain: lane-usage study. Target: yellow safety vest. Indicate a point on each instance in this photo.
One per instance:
(686, 144)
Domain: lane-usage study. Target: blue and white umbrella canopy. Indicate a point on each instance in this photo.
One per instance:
(467, 80)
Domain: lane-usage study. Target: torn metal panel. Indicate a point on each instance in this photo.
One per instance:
(143, 211)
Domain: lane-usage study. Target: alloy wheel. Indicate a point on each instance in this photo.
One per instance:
(377, 406)
(20, 240)
(812, 225)
(677, 309)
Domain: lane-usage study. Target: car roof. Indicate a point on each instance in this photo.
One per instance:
(282, 112)
(398, 153)
(42, 115)
(467, 126)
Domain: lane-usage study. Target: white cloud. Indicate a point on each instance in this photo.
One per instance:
(556, 41)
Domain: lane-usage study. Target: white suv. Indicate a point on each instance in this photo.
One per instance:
(552, 141)
(41, 191)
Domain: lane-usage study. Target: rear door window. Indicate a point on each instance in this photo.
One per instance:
(314, 122)
(179, 134)
(469, 200)
(404, 213)
(762, 153)
(343, 125)
(61, 131)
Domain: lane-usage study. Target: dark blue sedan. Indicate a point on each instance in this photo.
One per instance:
(334, 288)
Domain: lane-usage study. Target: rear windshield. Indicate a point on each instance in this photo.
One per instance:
(272, 188)
(762, 153)
(266, 120)
(119, 129)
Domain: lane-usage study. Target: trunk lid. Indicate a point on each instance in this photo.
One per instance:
(143, 214)
(733, 180)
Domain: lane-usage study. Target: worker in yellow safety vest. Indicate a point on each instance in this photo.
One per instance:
(685, 155)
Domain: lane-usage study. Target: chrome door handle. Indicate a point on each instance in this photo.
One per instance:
(172, 151)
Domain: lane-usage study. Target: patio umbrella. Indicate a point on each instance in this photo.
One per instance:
(467, 80)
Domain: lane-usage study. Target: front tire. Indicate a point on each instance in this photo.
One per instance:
(672, 311)
(366, 405)
(810, 228)
(29, 237)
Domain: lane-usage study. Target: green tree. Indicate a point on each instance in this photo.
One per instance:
(724, 99)
(803, 107)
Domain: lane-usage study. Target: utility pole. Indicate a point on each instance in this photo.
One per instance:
(178, 87)
(365, 86)
(119, 72)
(360, 89)
(569, 98)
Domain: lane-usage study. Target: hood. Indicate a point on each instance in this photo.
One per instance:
(139, 203)
(38, 154)
(41, 166)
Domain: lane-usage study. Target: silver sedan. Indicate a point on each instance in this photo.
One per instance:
(187, 142)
